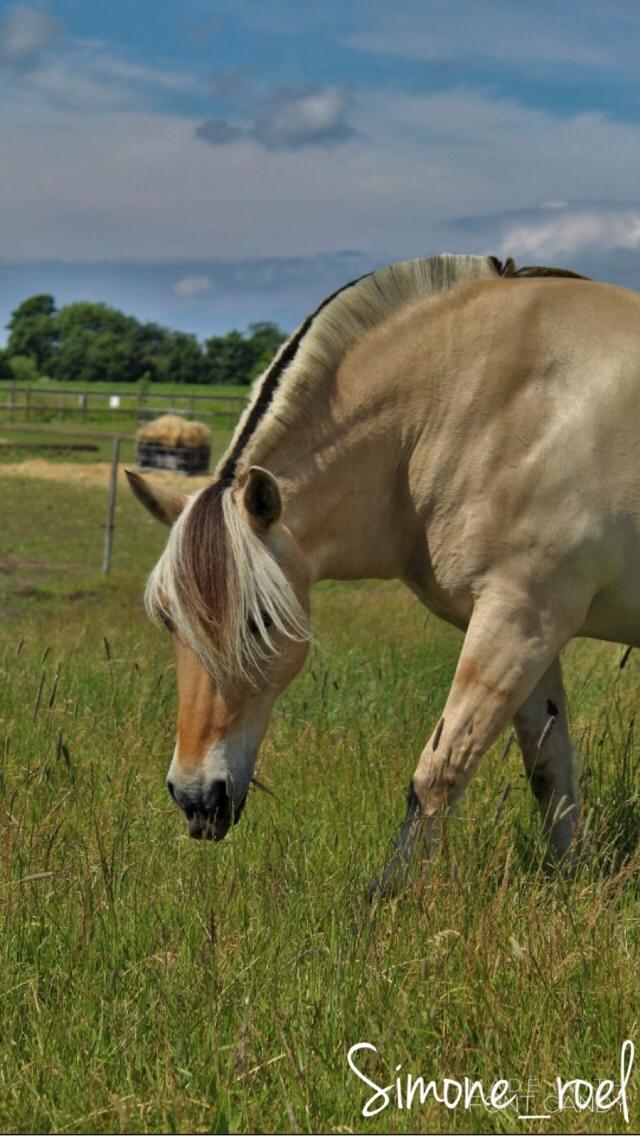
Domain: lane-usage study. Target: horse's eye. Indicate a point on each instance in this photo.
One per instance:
(166, 621)
(266, 620)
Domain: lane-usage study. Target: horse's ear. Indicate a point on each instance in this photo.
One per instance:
(261, 497)
(163, 504)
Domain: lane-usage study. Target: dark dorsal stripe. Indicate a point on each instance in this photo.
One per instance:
(271, 382)
(538, 270)
(272, 378)
(509, 269)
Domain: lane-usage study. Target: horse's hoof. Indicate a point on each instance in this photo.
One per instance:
(373, 891)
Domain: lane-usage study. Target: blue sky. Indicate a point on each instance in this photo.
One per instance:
(209, 164)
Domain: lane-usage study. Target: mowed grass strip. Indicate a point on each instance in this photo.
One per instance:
(150, 982)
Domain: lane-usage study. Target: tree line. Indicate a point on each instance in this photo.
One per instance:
(90, 342)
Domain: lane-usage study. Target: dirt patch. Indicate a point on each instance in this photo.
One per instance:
(51, 447)
(12, 564)
(20, 564)
(94, 474)
(29, 592)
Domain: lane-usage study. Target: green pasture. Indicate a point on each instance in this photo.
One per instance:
(154, 983)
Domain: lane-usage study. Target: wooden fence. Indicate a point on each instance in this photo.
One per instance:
(33, 404)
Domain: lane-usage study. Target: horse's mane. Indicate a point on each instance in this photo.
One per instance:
(224, 593)
(317, 347)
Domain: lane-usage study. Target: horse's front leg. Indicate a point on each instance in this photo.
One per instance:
(509, 645)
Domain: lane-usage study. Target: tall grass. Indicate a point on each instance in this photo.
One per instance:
(150, 982)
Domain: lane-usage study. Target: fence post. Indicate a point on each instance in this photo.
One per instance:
(113, 485)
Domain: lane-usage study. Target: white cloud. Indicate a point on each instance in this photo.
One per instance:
(572, 233)
(219, 132)
(25, 32)
(289, 120)
(307, 117)
(539, 36)
(192, 286)
(105, 64)
(88, 75)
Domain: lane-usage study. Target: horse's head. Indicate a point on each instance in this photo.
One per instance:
(233, 589)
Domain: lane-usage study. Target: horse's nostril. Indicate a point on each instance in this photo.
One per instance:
(216, 796)
(172, 792)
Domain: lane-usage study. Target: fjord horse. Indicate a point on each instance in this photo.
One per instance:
(452, 422)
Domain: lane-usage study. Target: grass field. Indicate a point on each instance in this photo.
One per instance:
(150, 982)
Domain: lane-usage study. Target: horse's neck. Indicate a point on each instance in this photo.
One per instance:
(362, 464)
(344, 485)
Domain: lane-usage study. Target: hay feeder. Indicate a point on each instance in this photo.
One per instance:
(171, 442)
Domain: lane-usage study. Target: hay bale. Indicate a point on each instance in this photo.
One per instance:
(172, 430)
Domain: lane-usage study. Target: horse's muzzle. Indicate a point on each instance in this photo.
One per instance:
(210, 810)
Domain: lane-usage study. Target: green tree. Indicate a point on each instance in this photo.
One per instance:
(91, 342)
(97, 344)
(23, 368)
(264, 339)
(237, 358)
(5, 366)
(33, 331)
(108, 358)
(229, 358)
(182, 360)
(147, 346)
